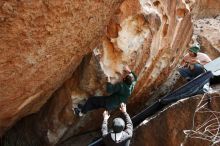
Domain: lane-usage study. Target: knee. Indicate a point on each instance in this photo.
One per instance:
(183, 70)
(199, 67)
(180, 70)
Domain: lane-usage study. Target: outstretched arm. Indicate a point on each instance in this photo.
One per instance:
(105, 123)
(183, 63)
(129, 125)
(135, 76)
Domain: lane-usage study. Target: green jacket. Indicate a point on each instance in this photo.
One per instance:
(119, 93)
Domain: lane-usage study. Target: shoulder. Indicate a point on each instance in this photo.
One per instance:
(120, 85)
(125, 135)
(203, 55)
(124, 86)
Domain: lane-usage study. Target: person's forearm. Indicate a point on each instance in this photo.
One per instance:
(128, 120)
(183, 63)
(135, 76)
(105, 127)
(127, 117)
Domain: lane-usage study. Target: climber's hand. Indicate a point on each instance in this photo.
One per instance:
(106, 115)
(126, 69)
(123, 108)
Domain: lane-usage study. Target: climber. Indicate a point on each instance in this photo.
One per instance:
(193, 62)
(118, 136)
(119, 93)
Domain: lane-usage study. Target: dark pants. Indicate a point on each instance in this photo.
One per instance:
(190, 74)
(93, 103)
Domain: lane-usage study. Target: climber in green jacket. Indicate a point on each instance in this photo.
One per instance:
(119, 93)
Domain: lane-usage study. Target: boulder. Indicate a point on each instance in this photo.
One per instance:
(149, 36)
(192, 121)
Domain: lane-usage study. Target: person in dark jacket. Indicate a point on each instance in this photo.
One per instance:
(121, 132)
(119, 93)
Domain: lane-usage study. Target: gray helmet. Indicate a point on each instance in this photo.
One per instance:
(118, 125)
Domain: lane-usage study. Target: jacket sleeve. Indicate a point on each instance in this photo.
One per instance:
(135, 76)
(104, 127)
(129, 125)
(113, 88)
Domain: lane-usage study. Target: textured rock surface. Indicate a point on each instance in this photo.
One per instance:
(142, 35)
(207, 31)
(204, 8)
(167, 128)
(149, 36)
(42, 43)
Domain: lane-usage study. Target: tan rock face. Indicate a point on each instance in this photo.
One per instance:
(206, 32)
(204, 8)
(42, 43)
(189, 122)
(206, 25)
(149, 36)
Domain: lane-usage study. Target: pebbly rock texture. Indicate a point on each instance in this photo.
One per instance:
(41, 44)
(149, 36)
(206, 32)
(204, 8)
(189, 122)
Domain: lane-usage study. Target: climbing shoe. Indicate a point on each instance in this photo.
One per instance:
(77, 112)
